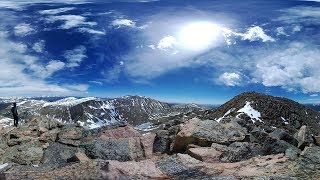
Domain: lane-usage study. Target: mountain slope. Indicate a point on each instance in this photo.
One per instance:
(269, 110)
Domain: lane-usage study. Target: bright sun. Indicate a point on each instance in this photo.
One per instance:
(199, 35)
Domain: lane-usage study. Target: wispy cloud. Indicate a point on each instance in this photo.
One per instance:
(20, 4)
(56, 11)
(75, 56)
(91, 31)
(70, 21)
(23, 29)
(300, 14)
(118, 23)
(39, 46)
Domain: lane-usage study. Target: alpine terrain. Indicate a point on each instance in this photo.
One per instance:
(252, 136)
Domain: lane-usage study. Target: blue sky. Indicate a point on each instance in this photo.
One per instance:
(176, 51)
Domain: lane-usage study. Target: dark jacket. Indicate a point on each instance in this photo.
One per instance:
(14, 111)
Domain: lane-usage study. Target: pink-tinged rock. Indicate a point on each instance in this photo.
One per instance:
(120, 132)
(147, 141)
(138, 170)
(205, 154)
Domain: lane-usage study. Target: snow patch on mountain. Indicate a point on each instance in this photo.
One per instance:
(252, 113)
(70, 101)
(285, 121)
(225, 115)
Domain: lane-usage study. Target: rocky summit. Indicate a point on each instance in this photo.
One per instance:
(252, 136)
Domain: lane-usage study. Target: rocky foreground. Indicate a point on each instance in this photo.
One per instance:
(192, 146)
(49, 150)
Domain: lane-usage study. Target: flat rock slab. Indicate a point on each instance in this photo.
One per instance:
(205, 154)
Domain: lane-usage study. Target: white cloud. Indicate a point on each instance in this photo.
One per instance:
(281, 31)
(54, 66)
(91, 31)
(24, 75)
(39, 46)
(230, 79)
(71, 21)
(118, 23)
(292, 68)
(75, 57)
(314, 95)
(23, 29)
(256, 33)
(56, 11)
(296, 28)
(166, 42)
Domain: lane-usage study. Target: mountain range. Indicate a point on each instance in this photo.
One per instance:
(94, 112)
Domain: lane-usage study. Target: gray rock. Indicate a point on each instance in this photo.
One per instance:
(312, 154)
(206, 132)
(57, 155)
(162, 141)
(3, 142)
(239, 151)
(292, 153)
(181, 166)
(283, 135)
(32, 155)
(124, 149)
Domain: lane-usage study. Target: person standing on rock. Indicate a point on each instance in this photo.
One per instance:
(15, 114)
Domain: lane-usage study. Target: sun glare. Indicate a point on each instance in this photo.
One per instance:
(199, 35)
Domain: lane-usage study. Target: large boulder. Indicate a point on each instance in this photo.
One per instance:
(120, 132)
(161, 142)
(50, 135)
(308, 164)
(283, 135)
(181, 166)
(122, 149)
(57, 155)
(32, 155)
(206, 132)
(71, 135)
(239, 151)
